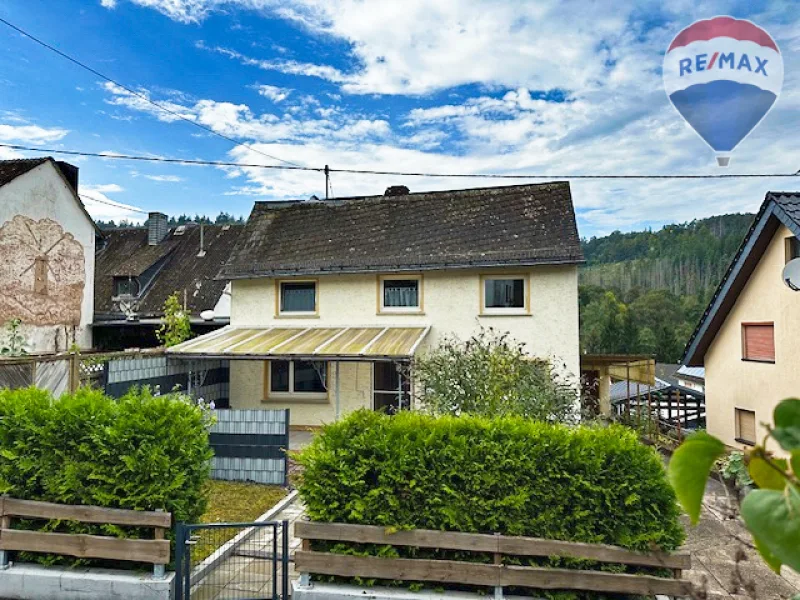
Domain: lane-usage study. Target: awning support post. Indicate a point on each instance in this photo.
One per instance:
(337, 390)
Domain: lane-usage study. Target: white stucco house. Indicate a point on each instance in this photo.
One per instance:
(329, 298)
(748, 338)
(47, 246)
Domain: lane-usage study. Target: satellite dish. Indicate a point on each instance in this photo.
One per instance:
(791, 274)
(207, 315)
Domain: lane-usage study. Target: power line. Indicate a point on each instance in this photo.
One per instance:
(180, 161)
(114, 204)
(139, 94)
(553, 176)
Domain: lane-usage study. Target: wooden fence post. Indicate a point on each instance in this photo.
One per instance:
(498, 560)
(159, 571)
(5, 523)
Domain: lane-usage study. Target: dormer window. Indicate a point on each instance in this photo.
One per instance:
(126, 287)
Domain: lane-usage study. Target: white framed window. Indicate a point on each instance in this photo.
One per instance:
(504, 295)
(298, 379)
(297, 298)
(400, 294)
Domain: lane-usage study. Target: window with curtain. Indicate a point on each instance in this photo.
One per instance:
(298, 377)
(401, 293)
(504, 293)
(298, 297)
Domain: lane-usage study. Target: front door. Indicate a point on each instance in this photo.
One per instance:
(390, 387)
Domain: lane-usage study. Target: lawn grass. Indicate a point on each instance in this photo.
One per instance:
(232, 502)
(239, 502)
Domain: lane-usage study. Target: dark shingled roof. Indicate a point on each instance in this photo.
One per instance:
(513, 225)
(778, 208)
(11, 169)
(126, 252)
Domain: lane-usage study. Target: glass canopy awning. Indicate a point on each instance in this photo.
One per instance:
(335, 343)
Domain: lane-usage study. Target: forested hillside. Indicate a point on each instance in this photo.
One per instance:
(643, 292)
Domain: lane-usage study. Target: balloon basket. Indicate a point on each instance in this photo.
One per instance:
(723, 161)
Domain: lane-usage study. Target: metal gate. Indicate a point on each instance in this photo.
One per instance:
(226, 561)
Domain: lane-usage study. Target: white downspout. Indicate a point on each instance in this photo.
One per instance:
(337, 390)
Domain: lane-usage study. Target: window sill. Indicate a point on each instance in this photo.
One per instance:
(295, 399)
(297, 316)
(511, 313)
(394, 313)
(745, 442)
(759, 360)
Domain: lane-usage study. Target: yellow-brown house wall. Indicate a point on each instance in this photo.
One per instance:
(733, 383)
(451, 304)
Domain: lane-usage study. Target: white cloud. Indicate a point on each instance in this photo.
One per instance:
(164, 178)
(240, 122)
(274, 93)
(31, 134)
(108, 3)
(563, 87)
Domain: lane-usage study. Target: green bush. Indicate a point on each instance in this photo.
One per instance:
(492, 375)
(508, 475)
(140, 452)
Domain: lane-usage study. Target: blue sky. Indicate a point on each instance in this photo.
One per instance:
(480, 86)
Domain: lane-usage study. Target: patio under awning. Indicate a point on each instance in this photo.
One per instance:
(335, 343)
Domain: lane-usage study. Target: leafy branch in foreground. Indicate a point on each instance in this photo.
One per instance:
(772, 512)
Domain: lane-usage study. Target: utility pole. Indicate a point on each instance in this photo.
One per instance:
(327, 181)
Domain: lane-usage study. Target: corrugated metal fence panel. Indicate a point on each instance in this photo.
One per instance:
(53, 375)
(18, 375)
(250, 445)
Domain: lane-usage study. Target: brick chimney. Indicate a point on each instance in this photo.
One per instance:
(157, 228)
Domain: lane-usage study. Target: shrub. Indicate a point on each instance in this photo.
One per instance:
(491, 375)
(508, 475)
(140, 452)
(175, 326)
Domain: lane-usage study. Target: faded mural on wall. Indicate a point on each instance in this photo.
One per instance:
(42, 273)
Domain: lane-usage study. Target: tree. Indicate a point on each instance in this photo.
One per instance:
(772, 512)
(175, 326)
(491, 375)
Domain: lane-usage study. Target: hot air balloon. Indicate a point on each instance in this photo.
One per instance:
(723, 75)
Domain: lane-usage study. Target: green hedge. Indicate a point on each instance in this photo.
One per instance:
(138, 452)
(508, 475)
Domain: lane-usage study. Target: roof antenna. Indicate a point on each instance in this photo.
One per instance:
(327, 181)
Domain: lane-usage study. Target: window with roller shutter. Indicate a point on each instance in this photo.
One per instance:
(745, 426)
(758, 342)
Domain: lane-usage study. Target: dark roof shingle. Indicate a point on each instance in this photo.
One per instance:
(126, 252)
(512, 225)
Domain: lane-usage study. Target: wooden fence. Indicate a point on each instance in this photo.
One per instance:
(482, 574)
(155, 551)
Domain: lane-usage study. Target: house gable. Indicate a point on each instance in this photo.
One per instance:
(778, 208)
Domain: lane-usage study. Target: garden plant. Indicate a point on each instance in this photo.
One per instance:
(508, 475)
(772, 512)
(139, 452)
(490, 374)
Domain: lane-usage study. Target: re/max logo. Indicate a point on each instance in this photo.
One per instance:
(722, 60)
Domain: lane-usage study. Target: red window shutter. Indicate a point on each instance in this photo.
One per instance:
(759, 341)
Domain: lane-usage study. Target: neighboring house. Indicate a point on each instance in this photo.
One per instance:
(675, 403)
(332, 299)
(47, 245)
(693, 378)
(138, 268)
(748, 339)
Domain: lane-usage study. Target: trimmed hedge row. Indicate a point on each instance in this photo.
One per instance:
(508, 475)
(139, 452)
